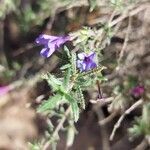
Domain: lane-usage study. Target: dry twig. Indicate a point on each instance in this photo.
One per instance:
(108, 119)
(131, 13)
(126, 40)
(103, 101)
(128, 111)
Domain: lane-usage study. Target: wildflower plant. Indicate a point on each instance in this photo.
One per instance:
(81, 69)
(81, 66)
(79, 73)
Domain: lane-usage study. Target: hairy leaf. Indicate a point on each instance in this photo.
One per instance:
(73, 62)
(65, 67)
(67, 51)
(67, 78)
(53, 81)
(81, 97)
(50, 103)
(74, 106)
(70, 136)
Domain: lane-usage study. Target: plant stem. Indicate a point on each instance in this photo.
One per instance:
(59, 126)
(128, 111)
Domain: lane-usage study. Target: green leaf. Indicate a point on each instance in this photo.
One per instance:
(53, 81)
(65, 67)
(132, 81)
(67, 51)
(73, 62)
(51, 103)
(92, 4)
(67, 79)
(102, 78)
(138, 127)
(83, 82)
(135, 131)
(34, 146)
(74, 106)
(70, 136)
(80, 97)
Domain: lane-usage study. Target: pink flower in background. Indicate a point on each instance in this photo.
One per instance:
(137, 91)
(4, 90)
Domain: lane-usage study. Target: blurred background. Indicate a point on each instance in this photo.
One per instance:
(126, 54)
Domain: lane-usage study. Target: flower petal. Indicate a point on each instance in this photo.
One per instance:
(50, 43)
(47, 52)
(93, 65)
(44, 39)
(44, 52)
(92, 55)
(4, 90)
(81, 65)
(137, 91)
(61, 40)
(88, 66)
(81, 56)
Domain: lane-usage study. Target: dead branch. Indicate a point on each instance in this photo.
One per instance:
(128, 111)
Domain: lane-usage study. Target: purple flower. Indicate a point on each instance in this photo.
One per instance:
(86, 61)
(137, 91)
(4, 90)
(51, 43)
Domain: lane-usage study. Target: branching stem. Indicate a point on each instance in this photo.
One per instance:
(128, 111)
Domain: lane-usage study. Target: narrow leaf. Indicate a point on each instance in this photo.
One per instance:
(52, 81)
(65, 67)
(67, 78)
(74, 106)
(81, 97)
(73, 62)
(67, 51)
(70, 136)
(51, 103)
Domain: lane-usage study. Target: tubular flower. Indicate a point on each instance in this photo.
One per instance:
(137, 91)
(51, 43)
(86, 61)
